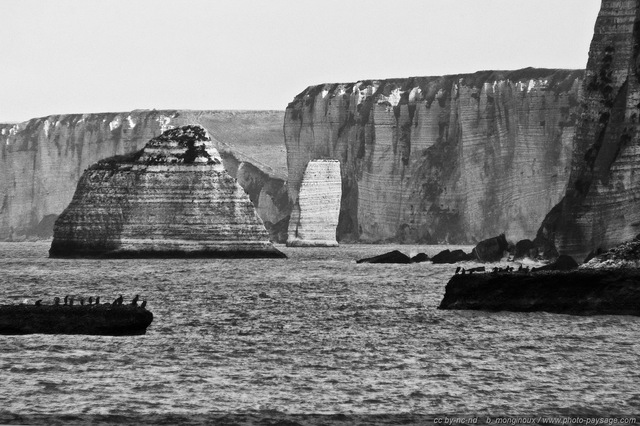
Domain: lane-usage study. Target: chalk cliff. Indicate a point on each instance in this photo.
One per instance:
(315, 213)
(41, 160)
(455, 159)
(601, 208)
(172, 198)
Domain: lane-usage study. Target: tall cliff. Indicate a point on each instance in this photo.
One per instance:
(41, 160)
(315, 213)
(601, 208)
(451, 159)
(172, 198)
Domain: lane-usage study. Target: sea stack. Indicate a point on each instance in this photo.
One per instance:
(316, 211)
(173, 198)
(601, 207)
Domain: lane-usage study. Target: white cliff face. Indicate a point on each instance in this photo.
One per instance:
(42, 160)
(315, 214)
(454, 159)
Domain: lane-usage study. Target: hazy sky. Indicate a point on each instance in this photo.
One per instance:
(76, 56)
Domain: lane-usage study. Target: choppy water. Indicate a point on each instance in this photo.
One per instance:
(331, 336)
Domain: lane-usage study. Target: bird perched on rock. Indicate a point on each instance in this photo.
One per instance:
(71, 301)
(56, 301)
(66, 300)
(143, 304)
(134, 302)
(457, 270)
(97, 300)
(118, 301)
(90, 300)
(82, 301)
(38, 302)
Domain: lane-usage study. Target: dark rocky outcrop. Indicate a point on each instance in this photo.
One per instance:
(624, 256)
(601, 206)
(394, 256)
(171, 199)
(419, 258)
(452, 256)
(525, 248)
(573, 292)
(111, 320)
(562, 263)
(491, 249)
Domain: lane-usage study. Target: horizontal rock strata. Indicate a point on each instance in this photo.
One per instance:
(315, 213)
(577, 292)
(173, 198)
(601, 208)
(42, 160)
(455, 159)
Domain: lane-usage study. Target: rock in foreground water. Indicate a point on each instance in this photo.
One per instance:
(171, 199)
(578, 292)
(109, 320)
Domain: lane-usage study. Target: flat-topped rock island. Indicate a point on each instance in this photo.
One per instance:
(106, 320)
(577, 292)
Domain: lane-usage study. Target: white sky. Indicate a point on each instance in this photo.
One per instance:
(76, 56)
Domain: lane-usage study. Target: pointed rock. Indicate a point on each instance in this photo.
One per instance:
(173, 198)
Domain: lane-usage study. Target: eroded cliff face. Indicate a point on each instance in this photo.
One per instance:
(41, 160)
(452, 159)
(267, 193)
(315, 213)
(601, 208)
(172, 198)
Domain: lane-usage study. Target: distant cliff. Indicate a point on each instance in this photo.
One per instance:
(455, 159)
(173, 198)
(41, 160)
(601, 208)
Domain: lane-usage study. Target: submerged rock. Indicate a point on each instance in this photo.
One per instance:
(171, 199)
(394, 256)
(580, 292)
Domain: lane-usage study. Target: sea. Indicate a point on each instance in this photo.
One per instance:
(312, 339)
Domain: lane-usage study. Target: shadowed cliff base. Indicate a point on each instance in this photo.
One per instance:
(108, 320)
(578, 292)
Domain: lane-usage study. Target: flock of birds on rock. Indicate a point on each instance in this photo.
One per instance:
(522, 269)
(69, 301)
